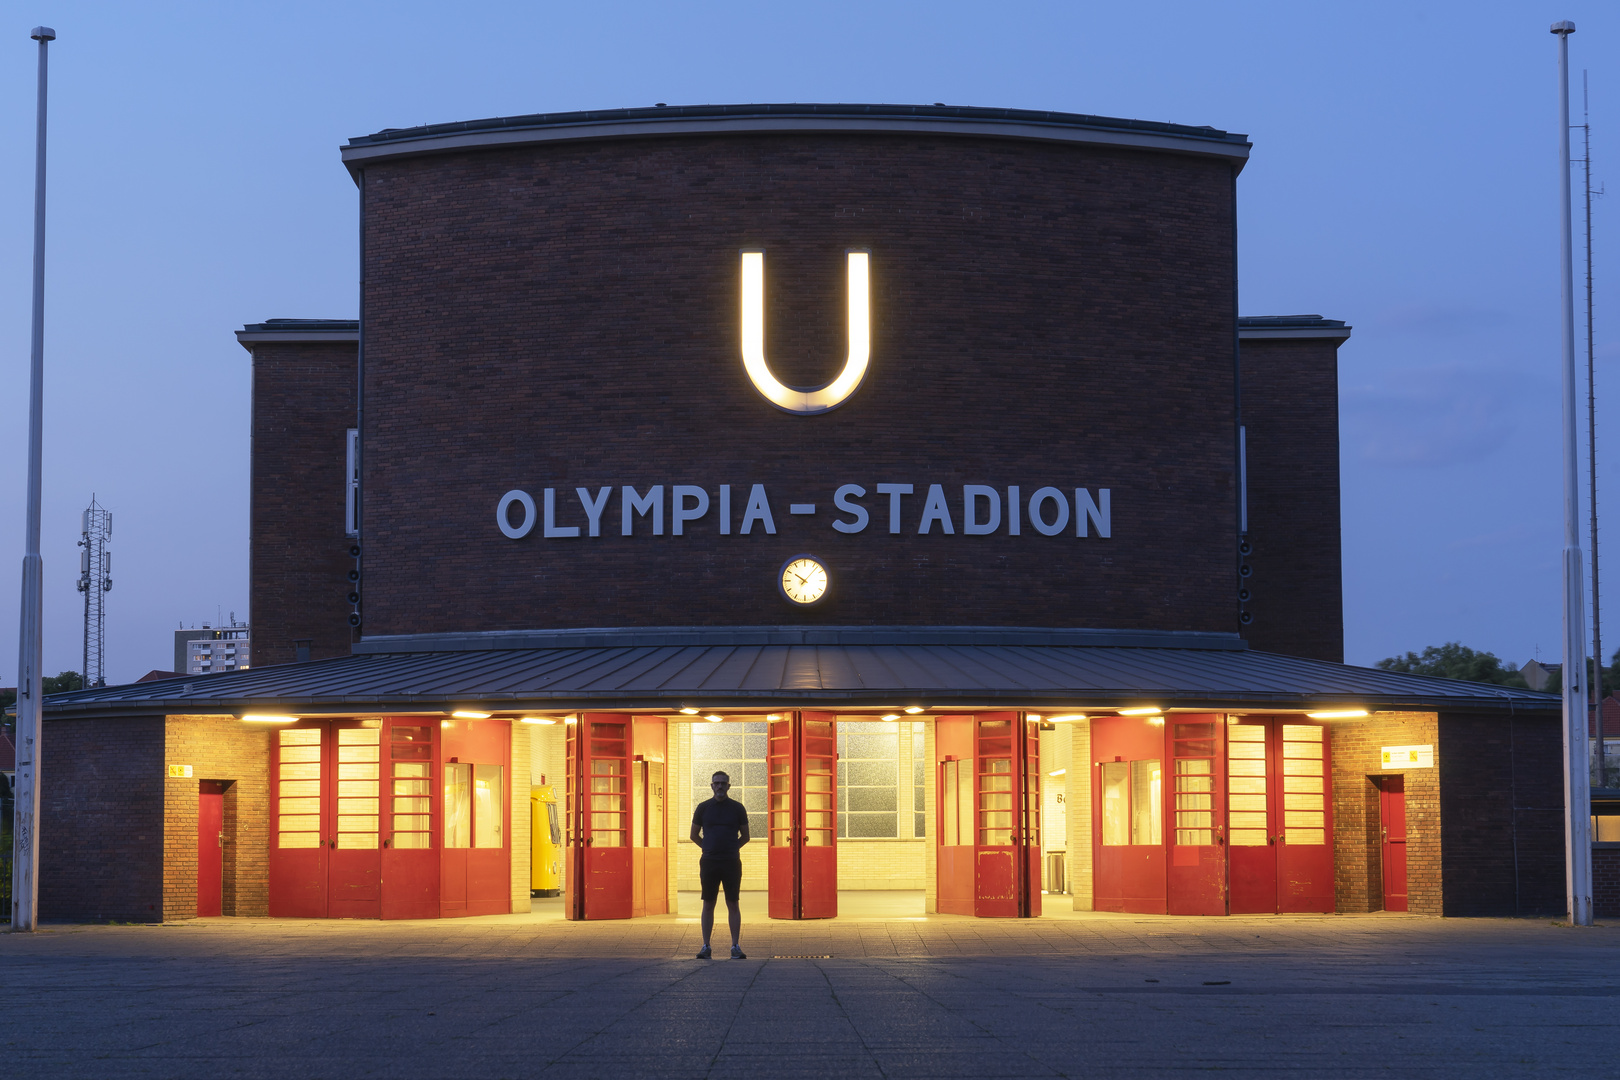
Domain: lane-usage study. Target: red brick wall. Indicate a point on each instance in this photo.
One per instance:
(1606, 882)
(1291, 411)
(1502, 798)
(567, 315)
(101, 819)
(218, 748)
(1357, 838)
(303, 406)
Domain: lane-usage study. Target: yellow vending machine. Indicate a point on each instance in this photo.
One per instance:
(545, 863)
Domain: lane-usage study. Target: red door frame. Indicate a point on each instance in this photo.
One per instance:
(1392, 826)
(953, 863)
(1253, 868)
(1304, 871)
(354, 875)
(210, 847)
(1006, 816)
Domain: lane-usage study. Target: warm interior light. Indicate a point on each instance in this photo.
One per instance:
(1156, 721)
(914, 709)
(1146, 710)
(1067, 718)
(1032, 716)
(371, 723)
(267, 718)
(813, 399)
(537, 720)
(469, 714)
(773, 716)
(570, 719)
(713, 719)
(689, 712)
(1057, 772)
(1337, 714)
(892, 716)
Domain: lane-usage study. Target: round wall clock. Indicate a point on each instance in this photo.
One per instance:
(803, 580)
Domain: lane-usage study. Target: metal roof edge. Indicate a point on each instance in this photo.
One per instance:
(1251, 327)
(299, 330)
(818, 119)
(690, 636)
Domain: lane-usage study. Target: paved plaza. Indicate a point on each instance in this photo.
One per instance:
(874, 994)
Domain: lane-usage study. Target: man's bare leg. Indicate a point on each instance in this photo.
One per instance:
(706, 922)
(733, 917)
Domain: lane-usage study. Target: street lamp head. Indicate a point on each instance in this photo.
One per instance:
(1563, 28)
(42, 33)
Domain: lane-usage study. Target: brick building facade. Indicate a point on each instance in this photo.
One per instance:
(1070, 500)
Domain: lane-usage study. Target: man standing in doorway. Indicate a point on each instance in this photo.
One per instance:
(720, 827)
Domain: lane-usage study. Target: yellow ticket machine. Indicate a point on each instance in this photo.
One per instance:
(545, 862)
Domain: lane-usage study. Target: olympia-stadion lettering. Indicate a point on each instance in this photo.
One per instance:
(981, 510)
(1048, 511)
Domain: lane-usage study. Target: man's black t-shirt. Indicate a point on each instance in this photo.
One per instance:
(722, 822)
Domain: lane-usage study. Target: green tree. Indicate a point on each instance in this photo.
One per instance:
(1454, 660)
(62, 682)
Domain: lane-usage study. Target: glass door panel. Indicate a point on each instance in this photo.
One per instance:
(298, 850)
(1251, 787)
(1305, 853)
(411, 881)
(1197, 869)
(599, 797)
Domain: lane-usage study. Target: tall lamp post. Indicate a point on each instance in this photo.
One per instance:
(25, 835)
(1577, 767)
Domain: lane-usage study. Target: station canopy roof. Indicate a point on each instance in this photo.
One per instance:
(662, 670)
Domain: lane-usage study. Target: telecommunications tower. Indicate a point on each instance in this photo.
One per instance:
(95, 579)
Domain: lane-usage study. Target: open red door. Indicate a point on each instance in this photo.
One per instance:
(1128, 849)
(1007, 845)
(802, 860)
(1305, 855)
(600, 882)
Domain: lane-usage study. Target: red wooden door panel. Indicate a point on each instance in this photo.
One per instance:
(1392, 819)
(300, 765)
(1252, 826)
(210, 847)
(1196, 875)
(818, 798)
(602, 877)
(999, 878)
(1304, 801)
(354, 869)
(954, 803)
(1128, 800)
(410, 852)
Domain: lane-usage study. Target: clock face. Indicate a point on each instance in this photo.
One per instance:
(803, 580)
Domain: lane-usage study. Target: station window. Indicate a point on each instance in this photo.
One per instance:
(868, 780)
(1132, 803)
(738, 750)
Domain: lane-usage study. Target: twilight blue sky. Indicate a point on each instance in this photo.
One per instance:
(1403, 179)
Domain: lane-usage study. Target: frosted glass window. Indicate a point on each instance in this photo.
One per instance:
(739, 751)
(1115, 803)
(868, 779)
(488, 816)
(1147, 813)
(457, 809)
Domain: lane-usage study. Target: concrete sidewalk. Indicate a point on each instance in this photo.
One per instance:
(1091, 995)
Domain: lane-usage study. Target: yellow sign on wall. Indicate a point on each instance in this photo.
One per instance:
(1407, 757)
(180, 770)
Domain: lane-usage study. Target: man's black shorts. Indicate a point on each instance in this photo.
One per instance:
(718, 872)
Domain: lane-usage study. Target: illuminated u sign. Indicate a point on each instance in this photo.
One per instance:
(792, 398)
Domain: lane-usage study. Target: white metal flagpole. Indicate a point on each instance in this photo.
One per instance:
(25, 834)
(1577, 768)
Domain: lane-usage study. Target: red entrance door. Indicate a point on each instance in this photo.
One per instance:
(1196, 876)
(802, 857)
(210, 847)
(1006, 863)
(600, 881)
(1279, 829)
(1392, 815)
(325, 858)
(1128, 814)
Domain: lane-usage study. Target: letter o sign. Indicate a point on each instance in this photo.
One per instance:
(503, 511)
